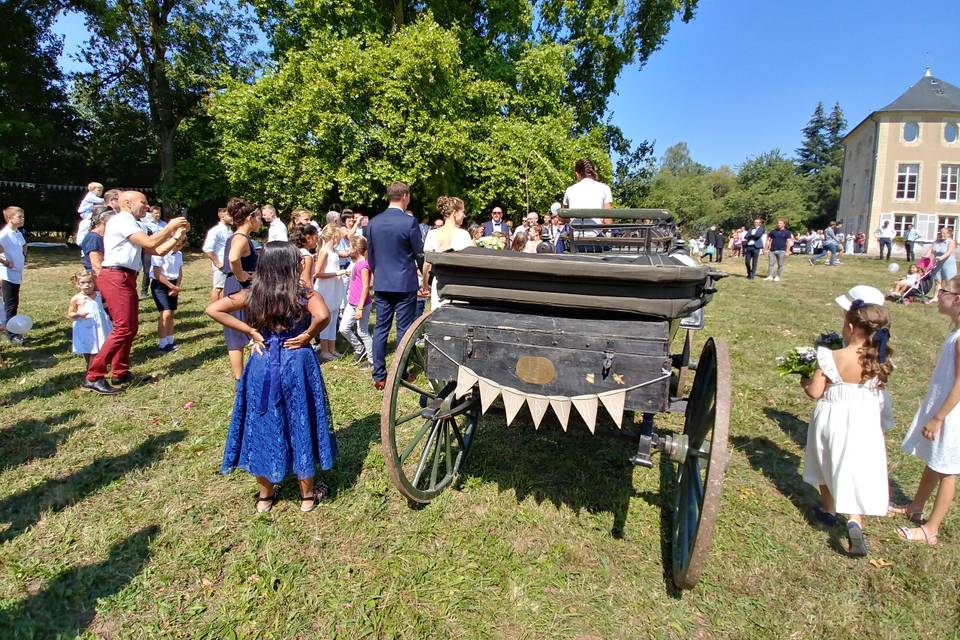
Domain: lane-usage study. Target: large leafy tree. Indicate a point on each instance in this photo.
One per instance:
(338, 120)
(36, 121)
(161, 58)
(603, 36)
(769, 188)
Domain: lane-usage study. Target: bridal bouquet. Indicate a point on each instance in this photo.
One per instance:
(492, 242)
(803, 360)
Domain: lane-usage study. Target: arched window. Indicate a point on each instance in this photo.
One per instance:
(911, 131)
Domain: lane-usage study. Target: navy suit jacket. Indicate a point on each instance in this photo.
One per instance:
(488, 228)
(393, 242)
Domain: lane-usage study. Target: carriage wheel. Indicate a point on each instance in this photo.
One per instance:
(699, 476)
(425, 432)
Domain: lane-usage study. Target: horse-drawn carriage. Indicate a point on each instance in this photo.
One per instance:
(586, 332)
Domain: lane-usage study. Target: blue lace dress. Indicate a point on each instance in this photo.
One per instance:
(281, 423)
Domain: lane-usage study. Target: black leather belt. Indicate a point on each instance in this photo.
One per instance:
(124, 269)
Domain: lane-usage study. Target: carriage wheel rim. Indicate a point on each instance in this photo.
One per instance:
(691, 536)
(436, 460)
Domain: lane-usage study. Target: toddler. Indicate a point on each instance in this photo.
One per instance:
(91, 325)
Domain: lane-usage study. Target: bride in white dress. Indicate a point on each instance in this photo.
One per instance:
(448, 237)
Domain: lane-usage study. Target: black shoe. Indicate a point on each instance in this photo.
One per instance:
(17, 340)
(857, 541)
(821, 518)
(170, 348)
(360, 357)
(100, 386)
(128, 378)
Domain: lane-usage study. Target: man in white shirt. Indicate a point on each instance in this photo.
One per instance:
(885, 235)
(531, 219)
(276, 231)
(124, 241)
(12, 260)
(213, 246)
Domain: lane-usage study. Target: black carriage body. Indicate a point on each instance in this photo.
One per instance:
(552, 355)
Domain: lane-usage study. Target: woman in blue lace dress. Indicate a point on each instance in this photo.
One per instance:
(281, 422)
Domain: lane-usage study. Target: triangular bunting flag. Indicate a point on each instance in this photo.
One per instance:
(512, 401)
(465, 381)
(587, 407)
(488, 393)
(561, 407)
(613, 402)
(538, 408)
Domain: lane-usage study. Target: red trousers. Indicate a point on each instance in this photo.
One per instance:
(119, 290)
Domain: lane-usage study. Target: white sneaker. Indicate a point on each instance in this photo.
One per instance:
(776, 278)
(768, 278)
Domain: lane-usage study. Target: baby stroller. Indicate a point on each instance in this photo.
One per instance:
(928, 269)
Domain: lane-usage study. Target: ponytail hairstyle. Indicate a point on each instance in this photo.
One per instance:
(448, 205)
(275, 297)
(874, 322)
(240, 209)
(301, 233)
(585, 169)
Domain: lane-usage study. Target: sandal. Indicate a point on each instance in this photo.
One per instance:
(858, 543)
(320, 492)
(905, 533)
(915, 517)
(269, 500)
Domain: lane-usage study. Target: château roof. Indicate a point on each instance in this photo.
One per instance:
(929, 94)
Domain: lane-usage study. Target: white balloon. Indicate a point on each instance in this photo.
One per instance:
(19, 325)
(893, 267)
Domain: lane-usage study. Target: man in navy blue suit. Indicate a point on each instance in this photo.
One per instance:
(393, 242)
(496, 223)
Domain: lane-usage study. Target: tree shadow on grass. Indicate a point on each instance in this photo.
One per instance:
(32, 438)
(46, 389)
(24, 509)
(781, 467)
(583, 471)
(67, 605)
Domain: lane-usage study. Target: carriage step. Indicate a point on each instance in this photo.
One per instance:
(645, 448)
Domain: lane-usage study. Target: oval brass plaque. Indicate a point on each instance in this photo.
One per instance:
(535, 370)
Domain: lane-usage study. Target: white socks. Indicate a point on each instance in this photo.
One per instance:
(165, 341)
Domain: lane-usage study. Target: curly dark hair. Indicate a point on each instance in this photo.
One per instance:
(300, 234)
(241, 209)
(871, 319)
(448, 205)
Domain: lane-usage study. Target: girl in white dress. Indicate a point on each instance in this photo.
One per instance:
(845, 456)
(328, 284)
(450, 236)
(934, 436)
(91, 324)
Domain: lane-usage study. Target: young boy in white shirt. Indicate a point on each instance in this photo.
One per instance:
(12, 259)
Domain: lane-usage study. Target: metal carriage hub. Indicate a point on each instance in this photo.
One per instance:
(604, 328)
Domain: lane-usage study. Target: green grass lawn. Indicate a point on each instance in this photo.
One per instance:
(115, 523)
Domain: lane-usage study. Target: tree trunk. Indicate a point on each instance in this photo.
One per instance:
(397, 14)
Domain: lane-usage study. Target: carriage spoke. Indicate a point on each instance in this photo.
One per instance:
(415, 388)
(416, 439)
(422, 464)
(448, 457)
(408, 417)
(437, 452)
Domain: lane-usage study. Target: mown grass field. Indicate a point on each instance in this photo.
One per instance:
(115, 523)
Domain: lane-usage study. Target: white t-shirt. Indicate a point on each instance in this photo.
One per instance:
(11, 246)
(587, 194)
(169, 265)
(87, 204)
(118, 251)
(277, 231)
(216, 241)
(886, 232)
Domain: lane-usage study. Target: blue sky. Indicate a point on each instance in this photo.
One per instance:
(745, 75)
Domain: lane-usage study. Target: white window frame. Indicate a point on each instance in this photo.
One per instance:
(901, 220)
(946, 221)
(949, 182)
(916, 185)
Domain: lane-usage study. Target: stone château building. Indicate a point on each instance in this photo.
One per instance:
(902, 164)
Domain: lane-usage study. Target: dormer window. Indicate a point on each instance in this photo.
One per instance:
(911, 131)
(951, 132)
